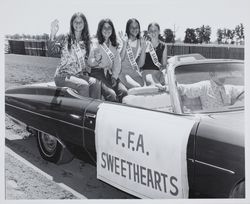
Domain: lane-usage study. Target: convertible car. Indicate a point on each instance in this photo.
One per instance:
(156, 143)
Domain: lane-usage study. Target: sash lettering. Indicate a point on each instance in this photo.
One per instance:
(153, 55)
(108, 52)
(131, 57)
(110, 56)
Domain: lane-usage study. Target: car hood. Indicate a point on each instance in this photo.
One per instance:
(224, 126)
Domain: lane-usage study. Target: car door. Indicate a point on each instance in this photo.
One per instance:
(141, 151)
(219, 156)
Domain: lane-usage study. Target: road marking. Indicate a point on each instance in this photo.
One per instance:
(27, 163)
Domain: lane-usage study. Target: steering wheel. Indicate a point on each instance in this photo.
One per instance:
(238, 97)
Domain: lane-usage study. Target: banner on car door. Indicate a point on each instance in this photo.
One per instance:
(142, 152)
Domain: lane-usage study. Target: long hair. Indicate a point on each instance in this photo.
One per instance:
(130, 21)
(84, 35)
(99, 35)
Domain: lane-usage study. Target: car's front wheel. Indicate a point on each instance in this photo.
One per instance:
(238, 191)
(51, 149)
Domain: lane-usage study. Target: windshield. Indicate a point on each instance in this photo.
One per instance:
(210, 87)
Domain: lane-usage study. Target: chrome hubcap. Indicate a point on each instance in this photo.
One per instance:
(49, 142)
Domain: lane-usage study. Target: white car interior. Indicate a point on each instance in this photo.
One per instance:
(149, 97)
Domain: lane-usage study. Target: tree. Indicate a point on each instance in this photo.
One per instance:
(168, 36)
(39, 37)
(208, 31)
(23, 36)
(225, 35)
(16, 36)
(203, 34)
(239, 32)
(231, 35)
(198, 32)
(219, 35)
(45, 36)
(190, 36)
(228, 35)
(7, 36)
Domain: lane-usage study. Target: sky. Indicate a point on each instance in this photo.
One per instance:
(35, 16)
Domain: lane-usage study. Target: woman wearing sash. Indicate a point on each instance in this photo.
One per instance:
(74, 48)
(105, 62)
(130, 74)
(153, 58)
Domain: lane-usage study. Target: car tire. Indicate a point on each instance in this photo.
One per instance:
(238, 191)
(52, 150)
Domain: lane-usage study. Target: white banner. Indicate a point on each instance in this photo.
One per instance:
(142, 152)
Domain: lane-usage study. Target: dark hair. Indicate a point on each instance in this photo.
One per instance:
(130, 21)
(99, 32)
(155, 24)
(84, 35)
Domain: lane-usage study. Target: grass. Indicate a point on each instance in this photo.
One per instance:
(24, 69)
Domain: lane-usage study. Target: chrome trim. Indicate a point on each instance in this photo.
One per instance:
(192, 160)
(211, 165)
(90, 115)
(75, 116)
(48, 134)
(45, 116)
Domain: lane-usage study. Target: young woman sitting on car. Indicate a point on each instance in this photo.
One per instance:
(131, 49)
(153, 58)
(105, 62)
(72, 70)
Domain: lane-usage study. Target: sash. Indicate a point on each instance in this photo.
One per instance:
(108, 52)
(110, 56)
(80, 56)
(131, 57)
(153, 55)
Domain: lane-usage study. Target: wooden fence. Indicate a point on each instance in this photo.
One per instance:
(39, 48)
(28, 47)
(208, 51)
